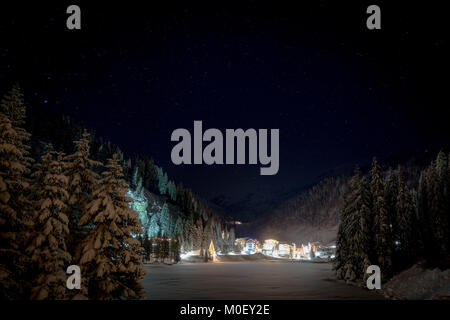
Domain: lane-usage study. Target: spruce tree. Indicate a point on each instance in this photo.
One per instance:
(137, 184)
(407, 243)
(390, 197)
(162, 181)
(165, 219)
(81, 184)
(345, 264)
(48, 248)
(444, 199)
(423, 215)
(437, 212)
(110, 253)
(13, 106)
(355, 231)
(15, 211)
(383, 238)
(364, 237)
(15, 208)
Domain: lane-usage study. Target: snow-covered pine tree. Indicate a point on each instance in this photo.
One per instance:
(48, 248)
(441, 167)
(188, 234)
(447, 200)
(390, 197)
(383, 238)
(153, 226)
(363, 241)
(172, 190)
(82, 181)
(137, 184)
(110, 254)
(408, 242)
(15, 207)
(444, 202)
(354, 234)
(342, 246)
(198, 235)
(437, 212)
(13, 106)
(164, 220)
(423, 215)
(162, 181)
(165, 182)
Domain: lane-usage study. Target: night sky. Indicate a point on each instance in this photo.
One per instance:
(339, 93)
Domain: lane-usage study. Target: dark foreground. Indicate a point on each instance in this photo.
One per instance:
(248, 280)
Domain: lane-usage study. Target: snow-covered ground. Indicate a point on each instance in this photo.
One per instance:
(249, 280)
(418, 283)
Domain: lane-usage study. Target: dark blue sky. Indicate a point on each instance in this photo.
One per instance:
(339, 93)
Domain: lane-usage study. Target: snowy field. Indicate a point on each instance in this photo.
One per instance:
(248, 280)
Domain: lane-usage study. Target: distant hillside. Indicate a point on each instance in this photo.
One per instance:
(313, 215)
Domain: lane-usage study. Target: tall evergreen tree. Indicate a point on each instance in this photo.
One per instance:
(364, 236)
(442, 163)
(383, 238)
(345, 267)
(13, 106)
(437, 212)
(162, 181)
(82, 181)
(171, 188)
(407, 243)
(15, 207)
(110, 253)
(137, 184)
(423, 215)
(354, 234)
(165, 220)
(48, 248)
(390, 197)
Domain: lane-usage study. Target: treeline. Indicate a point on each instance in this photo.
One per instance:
(386, 223)
(175, 212)
(57, 212)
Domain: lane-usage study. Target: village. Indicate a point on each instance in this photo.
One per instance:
(277, 249)
(270, 248)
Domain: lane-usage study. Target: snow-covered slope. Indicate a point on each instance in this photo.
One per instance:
(418, 283)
